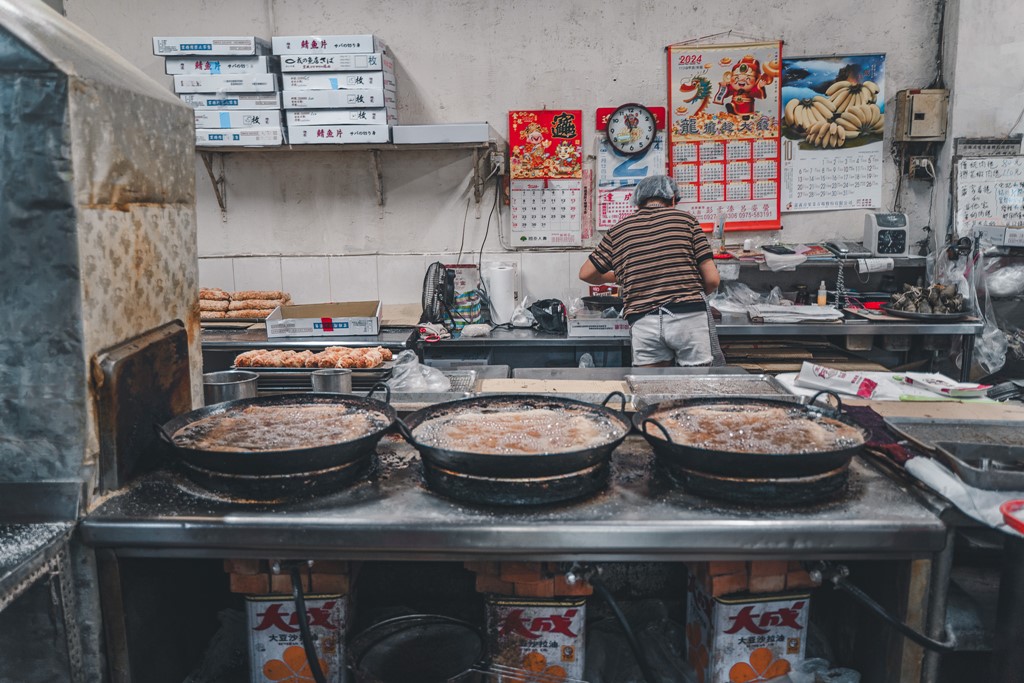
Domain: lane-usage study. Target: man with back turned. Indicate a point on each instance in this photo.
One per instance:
(663, 263)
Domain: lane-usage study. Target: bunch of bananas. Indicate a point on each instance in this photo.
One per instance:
(826, 134)
(846, 94)
(857, 120)
(802, 114)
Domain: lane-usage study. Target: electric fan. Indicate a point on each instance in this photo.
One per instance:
(438, 293)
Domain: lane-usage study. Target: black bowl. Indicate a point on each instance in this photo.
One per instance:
(600, 303)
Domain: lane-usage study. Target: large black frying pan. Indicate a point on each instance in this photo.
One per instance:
(724, 462)
(507, 464)
(278, 461)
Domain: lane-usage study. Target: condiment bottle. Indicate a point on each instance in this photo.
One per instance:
(803, 297)
(822, 294)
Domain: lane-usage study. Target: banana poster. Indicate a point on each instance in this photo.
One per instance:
(724, 132)
(833, 116)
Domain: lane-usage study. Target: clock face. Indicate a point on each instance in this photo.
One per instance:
(892, 241)
(631, 129)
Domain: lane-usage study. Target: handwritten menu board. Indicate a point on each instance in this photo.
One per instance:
(989, 191)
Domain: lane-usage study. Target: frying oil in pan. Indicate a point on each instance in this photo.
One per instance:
(279, 428)
(755, 429)
(518, 430)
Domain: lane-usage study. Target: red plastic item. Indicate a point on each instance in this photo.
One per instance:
(1011, 510)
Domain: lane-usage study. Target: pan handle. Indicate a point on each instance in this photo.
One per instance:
(162, 434)
(380, 385)
(612, 395)
(831, 412)
(651, 420)
(404, 430)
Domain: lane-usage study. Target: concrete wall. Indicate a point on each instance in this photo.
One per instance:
(309, 222)
(984, 50)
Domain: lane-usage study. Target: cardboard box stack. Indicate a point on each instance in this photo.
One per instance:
(337, 89)
(231, 82)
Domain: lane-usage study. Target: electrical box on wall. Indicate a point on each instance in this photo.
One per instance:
(921, 115)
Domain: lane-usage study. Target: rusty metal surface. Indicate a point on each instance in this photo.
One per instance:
(391, 514)
(99, 241)
(138, 384)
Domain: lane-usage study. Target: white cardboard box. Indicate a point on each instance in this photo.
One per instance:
(194, 83)
(239, 137)
(238, 118)
(335, 117)
(209, 45)
(372, 61)
(215, 66)
(304, 45)
(597, 327)
(325, 320)
(351, 80)
(441, 132)
(335, 99)
(233, 101)
(337, 135)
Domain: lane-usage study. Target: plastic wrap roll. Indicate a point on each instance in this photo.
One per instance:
(500, 280)
(874, 265)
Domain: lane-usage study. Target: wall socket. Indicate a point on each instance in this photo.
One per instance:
(921, 168)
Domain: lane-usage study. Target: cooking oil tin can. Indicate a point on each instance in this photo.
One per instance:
(538, 635)
(275, 642)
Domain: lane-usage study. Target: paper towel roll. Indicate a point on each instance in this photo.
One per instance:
(500, 280)
(874, 265)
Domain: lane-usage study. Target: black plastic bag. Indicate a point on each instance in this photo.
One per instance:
(550, 316)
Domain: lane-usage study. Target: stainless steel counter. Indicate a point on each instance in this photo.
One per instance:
(737, 325)
(27, 553)
(391, 515)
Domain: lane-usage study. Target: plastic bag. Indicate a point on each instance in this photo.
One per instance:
(550, 316)
(734, 297)
(409, 375)
(1006, 281)
(521, 316)
(967, 274)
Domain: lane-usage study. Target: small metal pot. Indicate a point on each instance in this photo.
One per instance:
(332, 381)
(229, 385)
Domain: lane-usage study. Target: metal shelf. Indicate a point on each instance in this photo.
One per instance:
(482, 152)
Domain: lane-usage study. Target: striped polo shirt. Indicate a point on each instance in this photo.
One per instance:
(654, 254)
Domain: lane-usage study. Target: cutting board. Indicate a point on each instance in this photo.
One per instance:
(945, 410)
(552, 386)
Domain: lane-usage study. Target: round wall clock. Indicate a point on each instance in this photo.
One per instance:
(631, 129)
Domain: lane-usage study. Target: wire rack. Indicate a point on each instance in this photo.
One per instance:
(503, 674)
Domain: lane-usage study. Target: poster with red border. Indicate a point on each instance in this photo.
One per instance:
(546, 144)
(724, 108)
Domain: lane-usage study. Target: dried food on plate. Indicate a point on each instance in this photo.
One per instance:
(212, 315)
(213, 305)
(247, 294)
(331, 357)
(213, 294)
(243, 304)
(250, 313)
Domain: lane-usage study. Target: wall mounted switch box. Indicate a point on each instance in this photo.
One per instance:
(921, 115)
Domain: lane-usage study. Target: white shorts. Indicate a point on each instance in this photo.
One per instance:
(664, 336)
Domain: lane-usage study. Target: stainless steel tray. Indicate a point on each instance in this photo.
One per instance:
(751, 386)
(985, 466)
(587, 397)
(414, 400)
(930, 431)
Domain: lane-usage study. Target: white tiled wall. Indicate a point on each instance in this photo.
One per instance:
(306, 278)
(354, 278)
(392, 278)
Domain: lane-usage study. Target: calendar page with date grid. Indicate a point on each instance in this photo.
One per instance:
(547, 213)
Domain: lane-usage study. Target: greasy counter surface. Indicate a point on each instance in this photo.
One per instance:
(391, 515)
